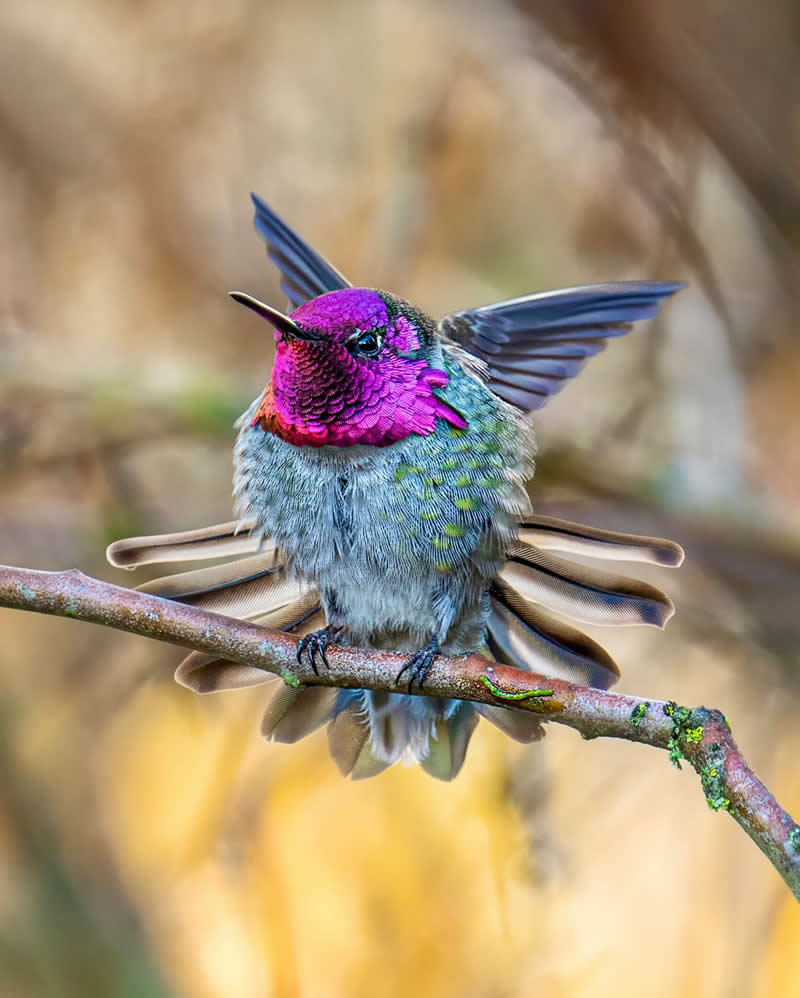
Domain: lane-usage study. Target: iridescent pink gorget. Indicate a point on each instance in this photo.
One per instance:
(321, 393)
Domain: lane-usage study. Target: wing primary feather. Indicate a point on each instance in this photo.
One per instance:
(575, 322)
(307, 274)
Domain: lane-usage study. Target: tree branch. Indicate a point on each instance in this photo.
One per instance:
(700, 736)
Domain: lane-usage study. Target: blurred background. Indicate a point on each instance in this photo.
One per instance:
(457, 153)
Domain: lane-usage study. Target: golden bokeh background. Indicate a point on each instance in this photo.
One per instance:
(457, 153)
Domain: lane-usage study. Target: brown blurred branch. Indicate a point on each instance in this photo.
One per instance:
(701, 736)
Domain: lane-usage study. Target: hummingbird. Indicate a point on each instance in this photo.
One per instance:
(380, 501)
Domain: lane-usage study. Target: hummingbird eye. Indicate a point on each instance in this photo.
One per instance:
(368, 343)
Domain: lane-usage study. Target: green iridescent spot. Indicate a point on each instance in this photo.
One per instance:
(491, 446)
(450, 465)
(399, 517)
(442, 567)
(402, 470)
(491, 482)
(462, 481)
(475, 463)
(494, 426)
(440, 542)
(456, 432)
(429, 514)
(455, 529)
(463, 448)
(411, 534)
(468, 502)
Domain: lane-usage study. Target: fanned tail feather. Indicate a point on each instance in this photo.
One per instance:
(293, 712)
(448, 743)
(369, 731)
(246, 589)
(523, 635)
(204, 673)
(350, 745)
(585, 594)
(222, 540)
(551, 534)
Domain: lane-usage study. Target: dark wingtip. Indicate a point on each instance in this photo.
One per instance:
(666, 288)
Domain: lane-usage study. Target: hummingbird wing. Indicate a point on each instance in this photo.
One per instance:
(533, 345)
(305, 274)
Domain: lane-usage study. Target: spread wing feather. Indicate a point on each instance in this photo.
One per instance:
(533, 345)
(305, 273)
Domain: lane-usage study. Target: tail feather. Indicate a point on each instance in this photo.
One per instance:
(368, 731)
(223, 540)
(517, 724)
(449, 742)
(294, 713)
(550, 534)
(350, 745)
(247, 588)
(586, 594)
(524, 636)
(204, 673)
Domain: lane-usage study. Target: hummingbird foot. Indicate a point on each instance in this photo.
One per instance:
(314, 645)
(419, 665)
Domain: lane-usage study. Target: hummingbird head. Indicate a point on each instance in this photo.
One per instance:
(353, 367)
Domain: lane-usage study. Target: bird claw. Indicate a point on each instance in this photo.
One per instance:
(314, 645)
(419, 665)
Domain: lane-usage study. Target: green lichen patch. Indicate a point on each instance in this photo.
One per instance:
(794, 838)
(25, 591)
(711, 778)
(685, 729)
(290, 679)
(639, 713)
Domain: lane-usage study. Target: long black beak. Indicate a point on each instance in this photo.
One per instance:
(286, 326)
